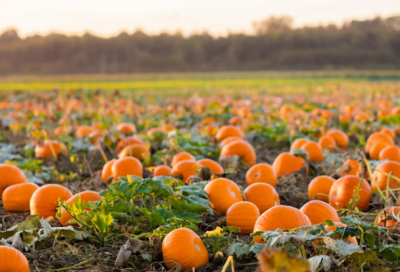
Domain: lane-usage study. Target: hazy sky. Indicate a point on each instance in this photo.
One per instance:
(109, 17)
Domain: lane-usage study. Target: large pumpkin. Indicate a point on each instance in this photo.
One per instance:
(280, 217)
(44, 200)
(10, 175)
(389, 167)
(243, 215)
(342, 192)
(12, 260)
(263, 195)
(16, 198)
(318, 211)
(86, 196)
(223, 193)
(184, 247)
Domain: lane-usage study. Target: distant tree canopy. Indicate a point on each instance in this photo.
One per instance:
(275, 44)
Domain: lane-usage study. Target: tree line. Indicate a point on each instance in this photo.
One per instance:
(275, 44)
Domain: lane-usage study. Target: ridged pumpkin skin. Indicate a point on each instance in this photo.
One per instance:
(162, 170)
(184, 246)
(44, 151)
(16, 198)
(10, 175)
(214, 166)
(342, 192)
(320, 187)
(223, 193)
(241, 149)
(263, 195)
(280, 217)
(228, 131)
(286, 164)
(349, 168)
(298, 143)
(391, 153)
(186, 169)
(86, 196)
(137, 151)
(242, 215)
(261, 172)
(127, 166)
(382, 180)
(12, 260)
(182, 156)
(106, 173)
(340, 138)
(45, 199)
(314, 151)
(130, 140)
(318, 211)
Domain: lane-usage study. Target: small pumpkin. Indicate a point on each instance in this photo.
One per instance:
(320, 187)
(44, 200)
(130, 140)
(342, 192)
(318, 211)
(243, 215)
(223, 193)
(349, 167)
(228, 131)
(86, 196)
(263, 195)
(328, 143)
(241, 149)
(10, 175)
(106, 173)
(137, 151)
(127, 166)
(16, 198)
(314, 151)
(298, 143)
(261, 172)
(12, 260)
(46, 150)
(286, 164)
(182, 156)
(162, 170)
(388, 218)
(214, 166)
(186, 169)
(127, 128)
(183, 246)
(280, 217)
(341, 139)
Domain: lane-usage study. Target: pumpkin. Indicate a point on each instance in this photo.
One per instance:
(261, 172)
(286, 164)
(223, 193)
(230, 140)
(127, 166)
(12, 260)
(298, 143)
(377, 137)
(388, 167)
(387, 218)
(137, 151)
(391, 153)
(214, 166)
(186, 169)
(320, 187)
(16, 198)
(241, 149)
(350, 167)
(342, 192)
(106, 173)
(86, 196)
(376, 148)
(280, 217)
(182, 156)
(130, 140)
(314, 151)
(340, 138)
(228, 131)
(183, 246)
(45, 151)
(318, 211)
(44, 200)
(162, 170)
(243, 215)
(10, 175)
(263, 195)
(327, 142)
(389, 132)
(83, 131)
(127, 128)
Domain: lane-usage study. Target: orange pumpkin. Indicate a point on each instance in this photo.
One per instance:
(131, 140)
(127, 128)
(263, 195)
(46, 150)
(106, 173)
(230, 140)
(318, 211)
(389, 132)
(83, 131)
(16, 198)
(376, 148)
(261, 172)
(182, 156)
(350, 167)
(241, 149)
(127, 166)
(391, 153)
(342, 192)
(350, 239)
(388, 167)
(186, 169)
(286, 164)
(137, 151)
(242, 215)
(223, 193)
(280, 217)
(86, 196)
(12, 260)
(184, 247)
(44, 200)
(10, 175)
(214, 166)
(298, 143)
(162, 170)
(314, 151)
(228, 131)
(327, 142)
(378, 137)
(320, 187)
(387, 218)
(340, 138)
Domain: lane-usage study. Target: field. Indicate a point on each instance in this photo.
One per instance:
(275, 171)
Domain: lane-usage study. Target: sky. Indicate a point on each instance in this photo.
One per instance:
(218, 17)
